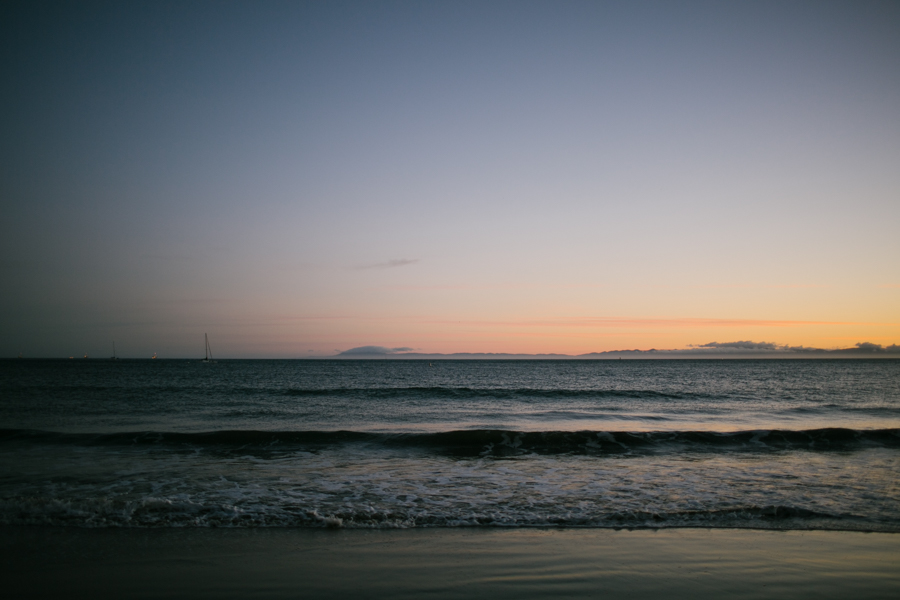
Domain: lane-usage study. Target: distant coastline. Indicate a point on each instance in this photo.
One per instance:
(713, 350)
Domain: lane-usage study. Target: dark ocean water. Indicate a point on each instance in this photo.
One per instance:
(782, 444)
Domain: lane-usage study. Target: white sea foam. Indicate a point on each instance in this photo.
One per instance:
(350, 487)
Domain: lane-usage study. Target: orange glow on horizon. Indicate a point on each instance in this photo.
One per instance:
(572, 335)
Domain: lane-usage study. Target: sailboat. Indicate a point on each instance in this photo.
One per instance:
(113, 357)
(208, 358)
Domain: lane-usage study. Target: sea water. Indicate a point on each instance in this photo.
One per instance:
(781, 444)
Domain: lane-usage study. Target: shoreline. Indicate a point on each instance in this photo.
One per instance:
(447, 563)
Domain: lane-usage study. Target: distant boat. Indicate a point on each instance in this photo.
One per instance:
(113, 357)
(154, 355)
(208, 358)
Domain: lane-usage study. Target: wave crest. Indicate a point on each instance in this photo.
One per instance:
(487, 442)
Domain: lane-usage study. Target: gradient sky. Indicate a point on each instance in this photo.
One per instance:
(301, 178)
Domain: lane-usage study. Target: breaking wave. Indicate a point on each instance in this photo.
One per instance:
(483, 442)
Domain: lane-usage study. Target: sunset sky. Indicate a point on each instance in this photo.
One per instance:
(297, 179)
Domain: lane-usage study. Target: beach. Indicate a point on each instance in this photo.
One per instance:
(47, 562)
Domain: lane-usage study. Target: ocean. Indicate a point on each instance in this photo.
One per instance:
(770, 444)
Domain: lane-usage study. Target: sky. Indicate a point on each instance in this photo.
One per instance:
(298, 179)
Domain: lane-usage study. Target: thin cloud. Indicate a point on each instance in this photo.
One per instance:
(391, 264)
(582, 322)
(370, 350)
(456, 287)
(748, 345)
(863, 348)
(464, 287)
(869, 347)
(738, 349)
(641, 322)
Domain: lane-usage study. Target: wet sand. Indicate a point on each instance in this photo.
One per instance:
(45, 562)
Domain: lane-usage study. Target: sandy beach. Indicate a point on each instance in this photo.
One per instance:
(43, 562)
